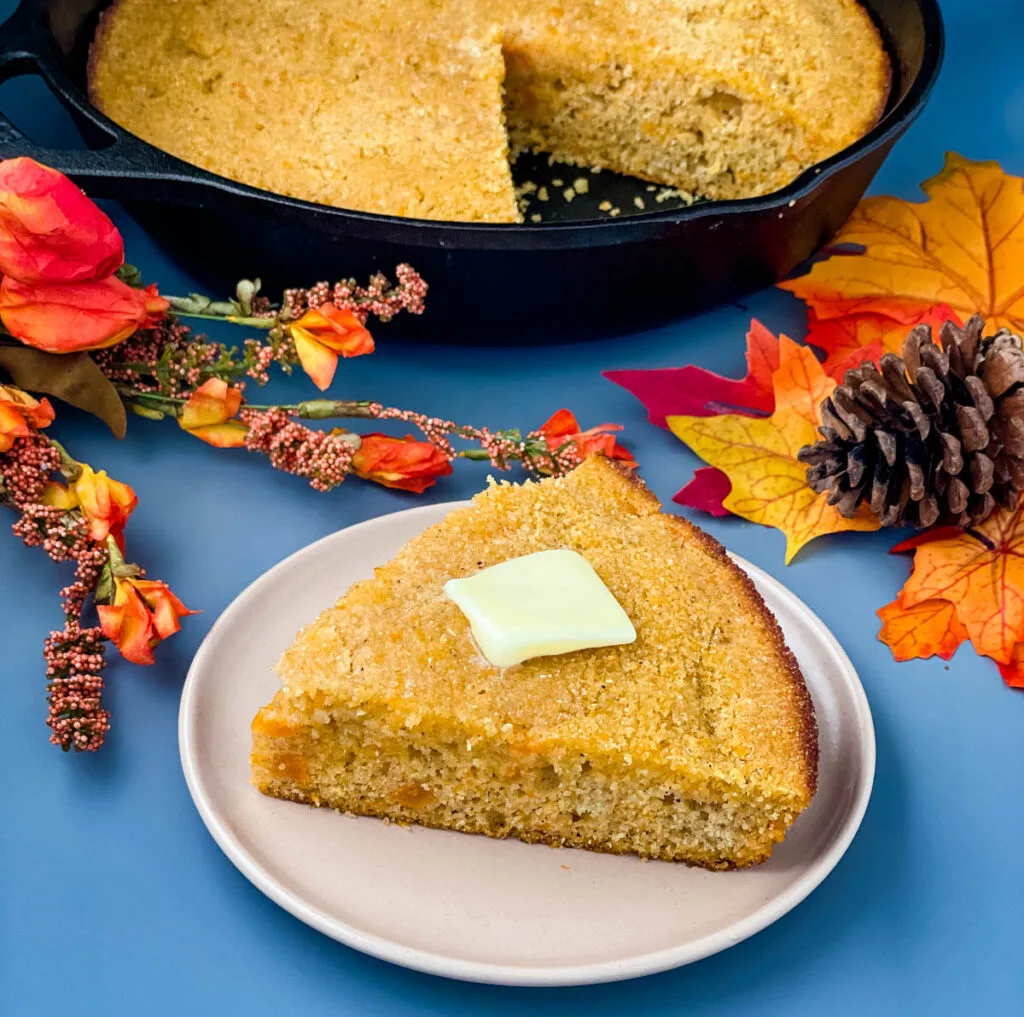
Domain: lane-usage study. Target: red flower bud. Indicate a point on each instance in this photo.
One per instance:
(562, 429)
(49, 230)
(67, 317)
(404, 463)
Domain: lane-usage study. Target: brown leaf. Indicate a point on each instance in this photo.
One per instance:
(73, 377)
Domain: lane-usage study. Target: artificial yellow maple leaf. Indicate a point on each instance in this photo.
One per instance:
(963, 247)
(769, 483)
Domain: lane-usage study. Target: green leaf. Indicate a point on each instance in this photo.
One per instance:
(104, 592)
(130, 276)
(73, 377)
(147, 411)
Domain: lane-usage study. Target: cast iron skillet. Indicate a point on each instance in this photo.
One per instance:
(576, 273)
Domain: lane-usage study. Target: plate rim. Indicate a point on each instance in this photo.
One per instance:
(512, 974)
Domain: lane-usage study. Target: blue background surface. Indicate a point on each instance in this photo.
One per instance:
(113, 898)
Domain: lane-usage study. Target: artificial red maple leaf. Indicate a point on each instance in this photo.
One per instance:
(708, 489)
(851, 340)
(692, 391)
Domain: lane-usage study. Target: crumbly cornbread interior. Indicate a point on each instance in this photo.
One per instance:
(397, 106)
(695, 743)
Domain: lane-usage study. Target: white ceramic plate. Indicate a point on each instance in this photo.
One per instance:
(472, 907)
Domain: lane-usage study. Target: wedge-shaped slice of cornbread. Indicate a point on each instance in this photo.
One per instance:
(697, 742)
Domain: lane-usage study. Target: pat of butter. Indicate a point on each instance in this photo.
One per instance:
(538, 605)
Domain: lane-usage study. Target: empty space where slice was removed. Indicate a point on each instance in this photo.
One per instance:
(411, 107)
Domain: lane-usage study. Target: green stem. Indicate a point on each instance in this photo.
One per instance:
(310, 409)
(210, 371)
(325, 409)
(71, 468)
(262, 323)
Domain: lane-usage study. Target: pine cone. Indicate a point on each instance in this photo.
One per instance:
(934, 436)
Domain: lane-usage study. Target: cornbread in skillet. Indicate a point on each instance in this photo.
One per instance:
(357, 104)
(722, 98)
(396, 105)
(696, 743)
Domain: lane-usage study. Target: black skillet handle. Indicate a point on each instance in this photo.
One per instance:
(120, 165)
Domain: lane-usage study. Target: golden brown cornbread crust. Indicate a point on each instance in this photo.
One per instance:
(401, 111)
(696, 743)
(754, 602)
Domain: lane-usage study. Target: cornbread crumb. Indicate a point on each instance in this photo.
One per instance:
(672, 192)
(412, 107)
(695, 743)
(639, 202)
(568, 194)
(605, 206)
(542, 194)
(581, 185)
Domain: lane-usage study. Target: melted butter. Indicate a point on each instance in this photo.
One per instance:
(539, 605)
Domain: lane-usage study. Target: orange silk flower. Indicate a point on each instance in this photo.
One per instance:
(104, 502)
(20, 415)
(49, 230)
(563, 428)
(404, 463)
(323, 335)
(67, 317)
(143, 614)
(208, 413)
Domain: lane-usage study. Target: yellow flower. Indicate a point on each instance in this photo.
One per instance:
(324, 334)
(208, 413)
(105, 503)
(20, 415)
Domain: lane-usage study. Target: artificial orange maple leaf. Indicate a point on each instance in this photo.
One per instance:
(981, 572)
(964, 247)
(1013, 672)
(851, 340)
(924, 630)
(769, 483)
